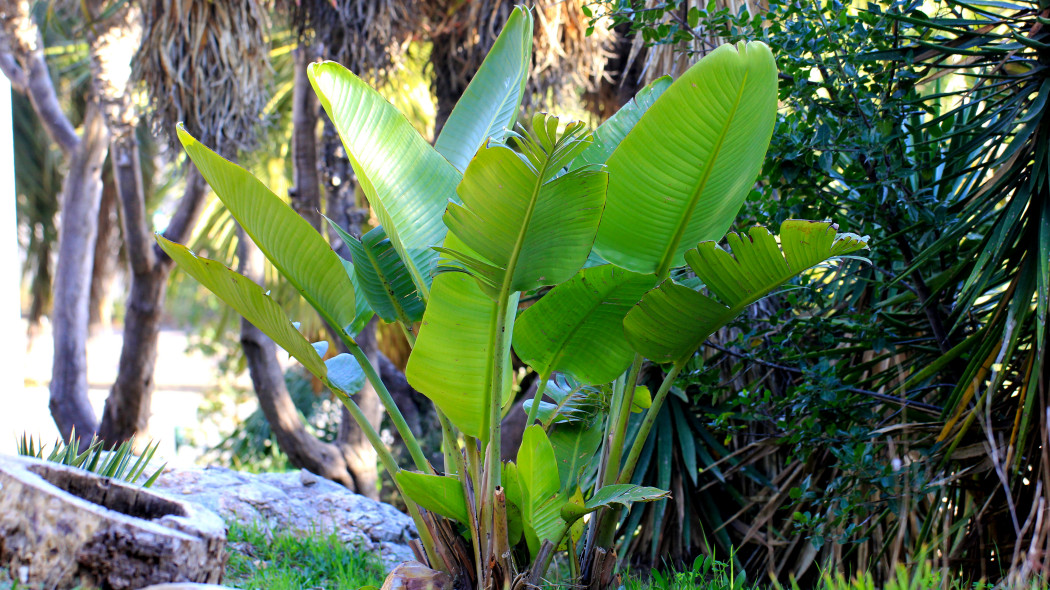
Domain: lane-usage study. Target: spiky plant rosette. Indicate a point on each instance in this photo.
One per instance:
(206, 64)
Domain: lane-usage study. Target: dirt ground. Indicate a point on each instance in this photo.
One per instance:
(182, 381)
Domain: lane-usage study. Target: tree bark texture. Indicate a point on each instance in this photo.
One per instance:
(81, 194)
(107, 257)
(306, 192)
(127, 409)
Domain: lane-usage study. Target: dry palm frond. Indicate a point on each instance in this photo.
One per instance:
(566, 61)
(207, 65)
(366, 36)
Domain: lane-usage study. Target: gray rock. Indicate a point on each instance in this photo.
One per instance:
(61, 527)
(296, 501)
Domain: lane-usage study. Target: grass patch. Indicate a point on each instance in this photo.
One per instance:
(287, 561)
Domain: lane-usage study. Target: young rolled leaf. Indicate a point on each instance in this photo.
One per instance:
(489, 106)
(406, 181)
(451, 362)
(577, 328)
(522, 218)
(686, 166)
(672, 321)
(249, 300)
(437, 493)
(607, 137)
(383, 277)
(293, 246)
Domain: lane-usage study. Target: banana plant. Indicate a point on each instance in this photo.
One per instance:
(494, 211)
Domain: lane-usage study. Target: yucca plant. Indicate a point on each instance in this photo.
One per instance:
(120, 463)
(490, 213)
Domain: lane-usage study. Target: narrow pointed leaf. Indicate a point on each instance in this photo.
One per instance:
(406, 181)
(577, 328)
(672, 321)
(624, 495)
(437, 493)
(686, 166)
(249, 300)
(294, 247)
(489, 105)
(608, 135)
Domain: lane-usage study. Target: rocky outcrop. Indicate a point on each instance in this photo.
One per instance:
(62, 527)
(296, 501)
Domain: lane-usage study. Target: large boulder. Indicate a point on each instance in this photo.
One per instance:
(296, 501)
(62, 527)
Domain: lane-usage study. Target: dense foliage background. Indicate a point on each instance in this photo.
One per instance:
(891, 411)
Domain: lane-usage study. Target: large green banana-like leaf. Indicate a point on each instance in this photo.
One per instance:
(577, 328)
(451, 362)
(406, 181)
(489, 105)
(249, 300)
(574, 445)
(540, 485)
(436, 493)
(293, 246)
(607, 137)
(681, 175)
(522, 218)
(672, 321)
(383, 277)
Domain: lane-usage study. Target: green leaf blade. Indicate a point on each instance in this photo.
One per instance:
(672, 321)
(437, 493)
(577, 327)
(294, 247)
(451, 362)
(406, 181)
(688, 163)
(512, 215)
(489, 105)
(624, 495)
(249, 300)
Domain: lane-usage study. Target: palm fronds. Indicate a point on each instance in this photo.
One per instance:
(206, 64)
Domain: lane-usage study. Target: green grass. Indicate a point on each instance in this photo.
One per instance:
(285, 561)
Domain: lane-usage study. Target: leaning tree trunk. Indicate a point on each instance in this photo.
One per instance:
(81, 193)
(22, 60)
(127, 408)
(304, 450)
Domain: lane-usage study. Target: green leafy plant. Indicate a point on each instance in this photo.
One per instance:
(491, 213)
(120, 463)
